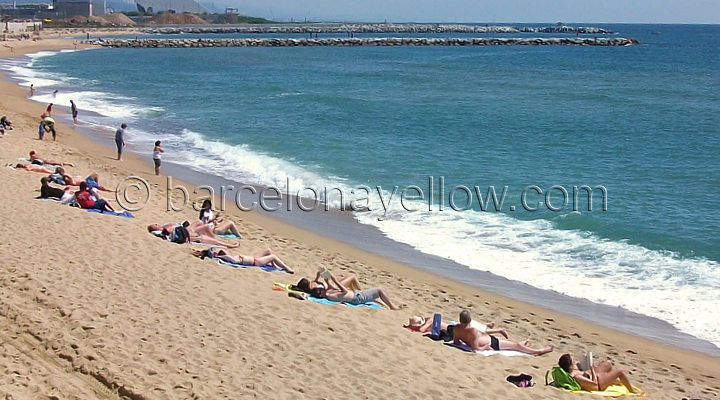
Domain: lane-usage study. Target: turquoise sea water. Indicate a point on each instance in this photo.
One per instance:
(641, 121)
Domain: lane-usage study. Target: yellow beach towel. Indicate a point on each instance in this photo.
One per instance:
(611, 391)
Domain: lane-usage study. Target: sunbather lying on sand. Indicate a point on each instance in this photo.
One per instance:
(463, 333)
(262, 257)
(599, 377)
(32, 168)
(202, 234)
(338, 292)
(36, 158)
(423, 325)
(305, 285)
(93, 181)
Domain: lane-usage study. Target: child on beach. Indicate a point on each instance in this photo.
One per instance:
(48, 110)
(74, 110)
(157, 154)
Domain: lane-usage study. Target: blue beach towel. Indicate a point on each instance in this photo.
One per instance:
(288, 287)
(229, 236)
(125, 214)
(268, 268)
(330, 302)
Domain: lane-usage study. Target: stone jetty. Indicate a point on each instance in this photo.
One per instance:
(373, 28)
(286, 42)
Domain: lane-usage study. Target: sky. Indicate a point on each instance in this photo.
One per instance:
(480, 11)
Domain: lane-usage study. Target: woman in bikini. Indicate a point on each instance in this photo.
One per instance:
(262, 257)
(599, 377)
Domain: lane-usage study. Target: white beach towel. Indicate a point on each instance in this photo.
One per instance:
(486, 353)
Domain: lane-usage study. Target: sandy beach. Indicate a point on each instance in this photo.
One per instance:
(95, 307)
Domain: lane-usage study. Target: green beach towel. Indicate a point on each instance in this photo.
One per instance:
(562, 379)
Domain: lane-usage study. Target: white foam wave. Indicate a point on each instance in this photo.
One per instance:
(573, 263)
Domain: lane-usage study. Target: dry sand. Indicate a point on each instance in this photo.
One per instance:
(95, 307)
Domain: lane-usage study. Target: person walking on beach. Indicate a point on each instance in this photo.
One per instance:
(32, 90)
(48, 110)
(74, 110)
(157, 155)
(120, 140)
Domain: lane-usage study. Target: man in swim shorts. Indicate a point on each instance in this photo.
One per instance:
(464, 333)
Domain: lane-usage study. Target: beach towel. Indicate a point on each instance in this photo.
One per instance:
(269, 268)
(486, 353)
(125, 214)
(288, 288)
(610, 391)
(229, 236)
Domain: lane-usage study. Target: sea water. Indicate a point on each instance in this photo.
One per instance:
(639, 125)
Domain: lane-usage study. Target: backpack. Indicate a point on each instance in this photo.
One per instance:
(562, 379)
(182, 235)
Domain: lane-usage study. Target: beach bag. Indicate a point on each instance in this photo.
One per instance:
(562, 379)
(181, 235)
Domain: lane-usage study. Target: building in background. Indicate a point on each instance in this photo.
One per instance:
(178, 6)
(85, 8)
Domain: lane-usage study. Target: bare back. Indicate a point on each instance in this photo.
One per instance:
(470, 336)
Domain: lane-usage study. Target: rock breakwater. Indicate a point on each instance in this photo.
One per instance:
(276, 42)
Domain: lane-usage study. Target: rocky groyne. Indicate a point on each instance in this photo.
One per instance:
(274, 42)
(374, 28)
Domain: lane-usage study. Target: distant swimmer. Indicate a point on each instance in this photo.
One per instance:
(74, 110)
(120, 140)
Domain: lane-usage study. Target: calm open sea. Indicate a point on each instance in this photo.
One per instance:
(642, 122)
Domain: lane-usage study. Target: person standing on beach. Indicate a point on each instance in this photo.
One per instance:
(157, 155)
(32, 90)
(120, 140)
(55, 94)
(74, 110)
(48, 110)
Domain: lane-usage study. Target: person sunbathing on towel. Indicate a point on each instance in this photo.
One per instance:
(36, 158)
(599, 377)
(49, 192)
(32, 168)
(463, 333)
(86, 200)
(262, 257)
(208, 216)
(424, 325)
(93, 181)
(338, 292)
(201, 234)
(305, 285)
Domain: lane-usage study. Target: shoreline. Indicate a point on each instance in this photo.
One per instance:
(411, 286)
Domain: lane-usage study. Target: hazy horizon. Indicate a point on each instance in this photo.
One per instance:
(456, 11)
